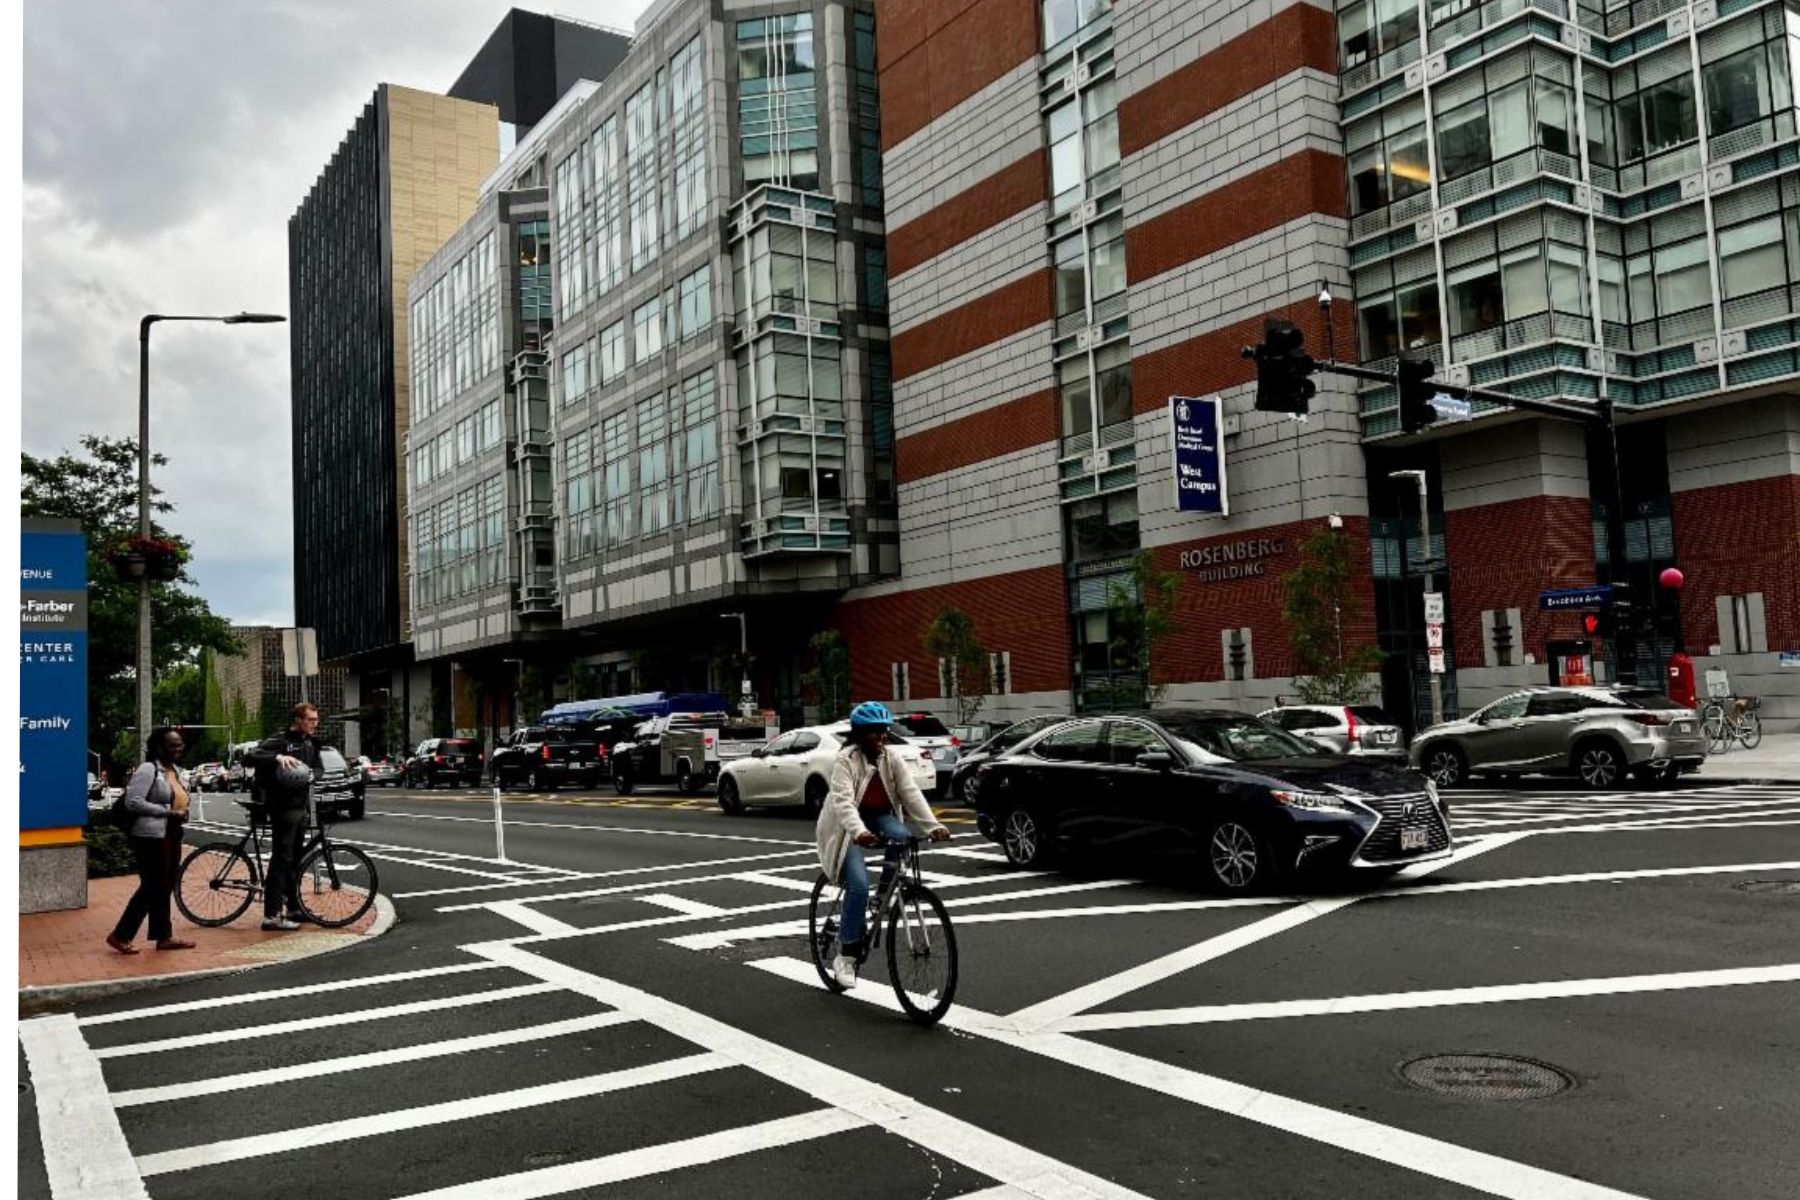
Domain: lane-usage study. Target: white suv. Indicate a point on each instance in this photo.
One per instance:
(1359, 729)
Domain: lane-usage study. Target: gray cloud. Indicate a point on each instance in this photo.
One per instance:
(166, 145)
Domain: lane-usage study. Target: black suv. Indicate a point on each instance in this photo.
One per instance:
(338, 789)
(450, 761)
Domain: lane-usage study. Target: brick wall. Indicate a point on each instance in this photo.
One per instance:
(1213, 361)
(1736, 538)
(1008, 191)
(1502, 555)
(1308, 182)
(1007, 310)
(989, 433)
(934, 54)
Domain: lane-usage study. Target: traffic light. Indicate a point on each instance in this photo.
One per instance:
(1599, 625)
(1282, 369)
(1413, 376)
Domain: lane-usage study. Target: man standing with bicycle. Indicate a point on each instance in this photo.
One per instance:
(286, 765)
(872, 797)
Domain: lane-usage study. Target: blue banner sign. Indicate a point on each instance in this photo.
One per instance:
(1195, 427)
(1599, 596)
(53, 697)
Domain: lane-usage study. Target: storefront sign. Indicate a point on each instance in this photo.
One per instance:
(1435, 658)
(1195, 431)
(1600, 596)
(1245, 558)
(52, 675)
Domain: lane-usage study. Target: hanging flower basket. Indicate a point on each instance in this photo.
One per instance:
(128, 567)
(142, 557)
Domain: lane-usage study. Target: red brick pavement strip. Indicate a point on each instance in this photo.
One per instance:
(65, 955)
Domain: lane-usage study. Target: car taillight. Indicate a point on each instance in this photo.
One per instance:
(955, 741)
(1647, 718)
(437, 758)
(544, 751)
(1350, 719)
(600, 750)
(709, 743)
(924, 756)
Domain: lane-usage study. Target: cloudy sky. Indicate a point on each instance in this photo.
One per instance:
(166, 144)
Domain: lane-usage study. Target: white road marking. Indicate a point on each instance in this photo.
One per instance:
(674, 833)
(571, 876)
(325, 1021)
(974, 1147)
(681, 904)
(315, 1068)
(1439, 998)
(1735, 820)
(308, 989)
(776, 881)
(281, 1141)
(453, 868)
(623, 889)
(1538, 817)
(85, 1153)
(529, 917)
(653, 1160)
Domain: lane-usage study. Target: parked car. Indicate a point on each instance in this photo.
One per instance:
(1599, 735)
(1363, 729)
(963, 779)
(338, 789)
(969, 736)
(1252, 803)
(795, 768)
(209, 777)
(384, 772)
(445, 760)
(544, 757)
(928, 733)
(687, 749)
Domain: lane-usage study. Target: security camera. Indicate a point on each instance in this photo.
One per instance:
(1324, 297)
(1335, 521)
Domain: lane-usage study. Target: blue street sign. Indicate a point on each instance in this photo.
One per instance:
(1449, 408)
(1598, 596)
(52, 675)
(1196, 432)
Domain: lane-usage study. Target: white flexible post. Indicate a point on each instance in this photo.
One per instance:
(499, 828)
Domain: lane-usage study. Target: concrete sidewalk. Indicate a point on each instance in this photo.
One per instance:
(63, 956)
(1775, 759)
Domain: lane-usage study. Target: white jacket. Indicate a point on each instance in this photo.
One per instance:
(839, 820)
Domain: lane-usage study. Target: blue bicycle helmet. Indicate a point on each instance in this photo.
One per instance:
(870, 713)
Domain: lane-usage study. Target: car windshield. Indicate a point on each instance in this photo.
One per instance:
(923, 725)
(1648, 698)
(1368, 714)
(743, 732)
(1240, 739)
(332, 760)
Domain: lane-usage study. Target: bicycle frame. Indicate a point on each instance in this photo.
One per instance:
(889, 894)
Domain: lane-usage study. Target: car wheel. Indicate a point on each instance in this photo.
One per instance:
(1446, 766)
(816, 789)
(1024, 838)
(1238, 859)
(1600, 765)
(685, 783)
(622, 782)
(729, 800)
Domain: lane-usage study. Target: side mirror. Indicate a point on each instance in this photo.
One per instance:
(759, 752)
(1156, 760)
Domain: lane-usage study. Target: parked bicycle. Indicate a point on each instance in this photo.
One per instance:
(218, 881)
(1734, 719)
(921, 945)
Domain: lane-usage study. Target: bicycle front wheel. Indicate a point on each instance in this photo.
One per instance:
(1718, 732)
(337, 885)
(824, 917)
(216, 883)
(1750, 731)
(921, 955)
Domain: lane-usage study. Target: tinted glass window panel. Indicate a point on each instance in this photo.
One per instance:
(1077, 743)
(1128, 739)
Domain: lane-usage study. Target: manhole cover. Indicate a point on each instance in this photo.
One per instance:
(546, 1158)
(1485, 1077)
(1777, 887)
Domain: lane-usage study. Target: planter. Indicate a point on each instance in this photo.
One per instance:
(130, 567)
(163, 569)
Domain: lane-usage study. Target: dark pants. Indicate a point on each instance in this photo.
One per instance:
(157, 859)
(287, 834)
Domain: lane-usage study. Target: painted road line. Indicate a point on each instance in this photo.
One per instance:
(674, 833)
(1545, 818)
(85, 1152)
(316, 1068)
(454, 869)
(1734, 820)
(308, 989)
(623, 871)
(653, 1160)
(529, 917)
(623, 889)
(681, 904)
(776, 881)
(1559, 989)
(282, 1141)
(938, 1132)
(327, 1021)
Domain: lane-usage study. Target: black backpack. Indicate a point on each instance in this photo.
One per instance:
(122, 817)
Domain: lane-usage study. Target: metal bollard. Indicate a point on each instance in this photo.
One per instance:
(499, 828)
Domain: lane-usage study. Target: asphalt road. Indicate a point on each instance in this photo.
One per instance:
(623, 1006)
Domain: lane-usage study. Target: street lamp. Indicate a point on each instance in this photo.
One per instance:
(743, 656)
(143, 630)
(1437, 682)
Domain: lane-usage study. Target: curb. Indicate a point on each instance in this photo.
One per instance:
(59, 995)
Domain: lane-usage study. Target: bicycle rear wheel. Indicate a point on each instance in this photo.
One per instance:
(824, 917)
(1750, 730)
(921, 955)
(337, 885)
(216, 883)
(1718, 732)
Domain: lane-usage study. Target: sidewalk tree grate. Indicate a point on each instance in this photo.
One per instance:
(1485, 1077)
(1777, 887)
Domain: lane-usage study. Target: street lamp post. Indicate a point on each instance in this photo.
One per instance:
(144, 673)
(743, 657)
(1437, 682)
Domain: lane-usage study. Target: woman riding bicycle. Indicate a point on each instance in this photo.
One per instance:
(871, 792)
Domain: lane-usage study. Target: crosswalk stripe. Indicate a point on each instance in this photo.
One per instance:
(84, 1149)
(306, 989)
(316, 1068)
(653, 1160)
(281, 1141)
(327, 1021)
(681, 904)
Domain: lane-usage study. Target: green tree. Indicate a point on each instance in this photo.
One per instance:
(1143, 619)
(98, 488)
(951, 637)
(1319, 600)
(829, 678)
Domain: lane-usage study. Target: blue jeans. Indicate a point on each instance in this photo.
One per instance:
(856, 876)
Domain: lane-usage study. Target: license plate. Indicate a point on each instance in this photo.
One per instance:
(1412, 839)
(1382, 737)
(1684, 727)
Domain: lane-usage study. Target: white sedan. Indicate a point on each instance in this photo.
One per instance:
(795, 768)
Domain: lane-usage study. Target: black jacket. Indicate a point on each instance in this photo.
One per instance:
(294, 744)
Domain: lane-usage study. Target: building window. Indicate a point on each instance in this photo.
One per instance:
(452, 331)
(1062, 18)
(487, 421)
(653, 464)
(572, 251)
(646, 332)
(422, 465)
(1000, 673)
(640, 157)
(615, 441)
(575, 374)
(608, 215)
(900, 681)
(867, 112)
(1084, 144)
(700, 438)
(578, 494)
(1743, 625)
(1752, 257)
(687, 137)
(778, 113)
(875, 278)
(696, 302)
(493, 529)
(1387, 156)
(612, 353)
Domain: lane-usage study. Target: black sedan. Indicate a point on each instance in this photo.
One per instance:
(1252, 802)
(963, 779)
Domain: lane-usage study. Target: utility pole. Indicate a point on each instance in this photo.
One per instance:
(745, 704)
(1437, 679)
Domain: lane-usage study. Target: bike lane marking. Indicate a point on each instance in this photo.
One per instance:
(85, 1153)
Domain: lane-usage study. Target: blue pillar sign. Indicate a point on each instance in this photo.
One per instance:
(53, 698)
(1197, 433)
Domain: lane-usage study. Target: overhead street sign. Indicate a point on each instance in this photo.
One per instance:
(1598, 596)
(1451, 409)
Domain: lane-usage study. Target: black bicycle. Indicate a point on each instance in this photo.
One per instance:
(921, 945)
(218, 881)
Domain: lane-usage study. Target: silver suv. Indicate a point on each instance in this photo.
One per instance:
(1360, 729)
(1600, 735)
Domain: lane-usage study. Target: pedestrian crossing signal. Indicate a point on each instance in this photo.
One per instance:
(1597, 624)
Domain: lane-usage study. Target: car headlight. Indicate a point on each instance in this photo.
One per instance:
(1314, 800)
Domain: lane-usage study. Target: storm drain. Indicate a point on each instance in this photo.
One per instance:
(1770, 887)
(1485, 1077)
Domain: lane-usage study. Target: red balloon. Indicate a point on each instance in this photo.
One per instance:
(1672, 578)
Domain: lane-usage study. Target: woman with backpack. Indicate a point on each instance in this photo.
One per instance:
(157, 801)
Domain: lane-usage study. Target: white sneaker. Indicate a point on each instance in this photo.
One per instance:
(844, 971)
